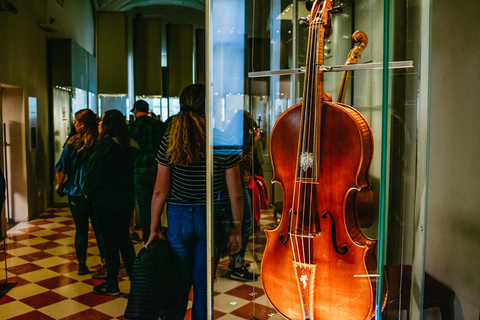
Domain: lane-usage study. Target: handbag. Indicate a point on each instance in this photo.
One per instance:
(156, 283)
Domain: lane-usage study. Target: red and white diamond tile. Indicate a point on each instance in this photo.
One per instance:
(43, 281)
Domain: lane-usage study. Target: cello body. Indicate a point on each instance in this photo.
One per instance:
(339, 286)
(317, 262)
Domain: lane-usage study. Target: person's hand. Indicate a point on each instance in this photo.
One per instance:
(158, 235)
(257, 134)
(57, 186)
(234, 242)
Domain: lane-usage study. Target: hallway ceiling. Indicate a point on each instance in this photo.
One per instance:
(125, 5)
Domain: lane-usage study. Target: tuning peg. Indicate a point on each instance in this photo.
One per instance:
(303, 22)
(334, 10)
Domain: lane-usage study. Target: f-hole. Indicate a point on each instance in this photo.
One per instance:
(334, 234)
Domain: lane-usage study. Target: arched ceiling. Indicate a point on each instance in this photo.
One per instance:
(126, 5)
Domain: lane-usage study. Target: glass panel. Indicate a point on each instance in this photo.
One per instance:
(61, 128)
(165, 113)
(32, 121)
(173, 106)
(79, 100)
(231, 127)
(381, 212)
(155, 106)
(92, 102)
(113, 101)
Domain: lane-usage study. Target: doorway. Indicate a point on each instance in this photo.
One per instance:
(13, 154)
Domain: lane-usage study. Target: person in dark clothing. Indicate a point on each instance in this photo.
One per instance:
(145, 130)
(258, 147)
(109, 184)
(242, 126)
(71, 164)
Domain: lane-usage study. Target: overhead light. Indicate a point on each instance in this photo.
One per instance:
(49, 27)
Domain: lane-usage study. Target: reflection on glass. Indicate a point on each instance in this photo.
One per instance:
(275, 40)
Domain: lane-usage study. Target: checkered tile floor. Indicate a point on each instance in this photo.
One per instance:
(43, 281)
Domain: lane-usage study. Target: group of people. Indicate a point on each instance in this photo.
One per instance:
(110, 166)
(98, 162)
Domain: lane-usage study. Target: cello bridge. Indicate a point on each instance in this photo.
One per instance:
(304, 233)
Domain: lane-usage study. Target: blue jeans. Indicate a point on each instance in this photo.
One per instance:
(187, 234)
(247, 227)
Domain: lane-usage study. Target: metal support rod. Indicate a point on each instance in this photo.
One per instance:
(336, 68)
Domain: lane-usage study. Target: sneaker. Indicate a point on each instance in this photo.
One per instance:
(83, 269)
(242, 274)
(230, 266)
(135, 237)
(103, 290)
(101, 273)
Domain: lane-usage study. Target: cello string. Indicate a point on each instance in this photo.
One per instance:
(307, 137)
(306, 100)
(312, 133)
(297, 198)
(310, 125)
(310, 147)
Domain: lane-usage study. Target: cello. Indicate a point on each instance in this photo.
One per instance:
(357, 36)
(317, 263)
(364, 199)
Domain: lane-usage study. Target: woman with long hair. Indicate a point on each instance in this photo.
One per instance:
(109, 184)
(72, 163)
(181, 183)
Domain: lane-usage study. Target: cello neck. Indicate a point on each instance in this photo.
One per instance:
(313, 94)
(357, 36)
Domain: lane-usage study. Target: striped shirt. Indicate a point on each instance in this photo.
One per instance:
(188, 183)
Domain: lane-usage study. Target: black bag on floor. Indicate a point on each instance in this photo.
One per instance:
(155, 285)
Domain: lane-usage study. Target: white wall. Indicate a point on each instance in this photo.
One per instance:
(15, 137)
(23, 64)
(75, 20)
(453, 229)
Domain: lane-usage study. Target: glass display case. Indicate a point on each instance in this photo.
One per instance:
(162, 107)
(62, 125)
(92, 102)
(364, 257)
(80, 100)
(113, 102)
